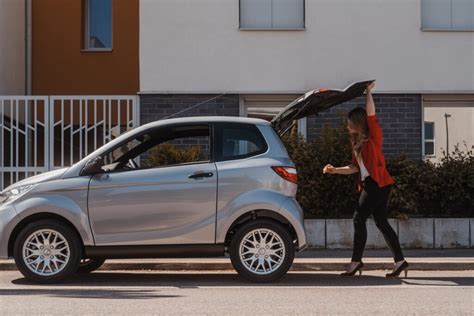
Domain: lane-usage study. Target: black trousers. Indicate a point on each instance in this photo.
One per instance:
(373, 201)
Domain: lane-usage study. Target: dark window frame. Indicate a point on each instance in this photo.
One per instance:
(154, 129)
(244, 28)
(425, 28)
(86, 29)
(429, 140)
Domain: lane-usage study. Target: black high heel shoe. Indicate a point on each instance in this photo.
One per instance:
(353, 272)
(402, 268)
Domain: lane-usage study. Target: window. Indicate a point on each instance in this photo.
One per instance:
(429, 139)
(266, 107)
(162, 147)
(272, 14)
(237, 141)
(98, 24)
(447, 15)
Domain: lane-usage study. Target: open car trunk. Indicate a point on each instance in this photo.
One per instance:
(315, 101)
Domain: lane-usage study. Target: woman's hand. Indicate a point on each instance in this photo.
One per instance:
(329, 169)
(370, 87)
(350, 169)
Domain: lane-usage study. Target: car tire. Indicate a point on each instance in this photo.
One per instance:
(262, 250)
(87, 265)
(47, 251)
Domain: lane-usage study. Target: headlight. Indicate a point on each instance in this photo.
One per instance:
(13, 194)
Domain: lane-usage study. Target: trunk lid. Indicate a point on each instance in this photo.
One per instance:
(315, 101)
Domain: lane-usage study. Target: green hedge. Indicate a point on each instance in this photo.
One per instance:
(422, 189)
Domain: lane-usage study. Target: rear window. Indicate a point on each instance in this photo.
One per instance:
(238, 141)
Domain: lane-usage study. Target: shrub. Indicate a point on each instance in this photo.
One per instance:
(413, 192)
(455, 186)
(170, 154)
(421, 188)
(322, 195)
(444, 189)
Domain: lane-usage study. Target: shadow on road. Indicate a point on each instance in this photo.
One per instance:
(225, 279)
(86, 293)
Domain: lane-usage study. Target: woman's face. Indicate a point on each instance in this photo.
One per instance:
(351, 128)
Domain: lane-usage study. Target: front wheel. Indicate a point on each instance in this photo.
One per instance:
(47, 251)
(262, 251)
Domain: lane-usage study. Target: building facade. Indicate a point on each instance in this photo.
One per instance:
(69, 77)
(101, 67)
(12, 47)
(85, 47)
(258, 56)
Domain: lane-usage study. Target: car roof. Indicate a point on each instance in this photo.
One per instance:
(207, 119)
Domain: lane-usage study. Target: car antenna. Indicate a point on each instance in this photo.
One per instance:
(192, 107)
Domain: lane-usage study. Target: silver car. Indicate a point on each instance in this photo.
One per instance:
(187, 187)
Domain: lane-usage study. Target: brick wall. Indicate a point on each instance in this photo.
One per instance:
(400, 116)
(159, 106)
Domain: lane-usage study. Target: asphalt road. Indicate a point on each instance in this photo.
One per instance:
(139, 293)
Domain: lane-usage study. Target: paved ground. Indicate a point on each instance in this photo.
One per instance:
(308, 260)
(385, 253)
(220, 292)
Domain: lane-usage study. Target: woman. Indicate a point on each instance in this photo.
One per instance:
(374, 184)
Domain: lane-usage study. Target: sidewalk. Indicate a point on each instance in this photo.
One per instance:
(308, 260)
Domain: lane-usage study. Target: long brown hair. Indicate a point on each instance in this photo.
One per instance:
(357, 118)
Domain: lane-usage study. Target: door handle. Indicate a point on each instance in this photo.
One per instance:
(199, 175)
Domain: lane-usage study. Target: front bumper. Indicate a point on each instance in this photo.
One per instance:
(8, 220)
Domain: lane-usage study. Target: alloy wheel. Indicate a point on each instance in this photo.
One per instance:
(46, 252)
(262, 251)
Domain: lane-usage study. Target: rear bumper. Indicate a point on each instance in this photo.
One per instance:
(294, 214)
(8, 220)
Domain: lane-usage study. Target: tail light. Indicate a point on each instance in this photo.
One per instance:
(287, 173)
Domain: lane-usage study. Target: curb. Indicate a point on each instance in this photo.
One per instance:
(298, 265)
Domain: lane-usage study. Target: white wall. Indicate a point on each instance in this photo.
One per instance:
(460, 127)
(196, 46)
(12, 47)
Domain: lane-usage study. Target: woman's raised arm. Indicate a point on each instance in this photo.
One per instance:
(369, 100)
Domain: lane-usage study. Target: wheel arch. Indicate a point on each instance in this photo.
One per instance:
(259, 214)
(36, 217)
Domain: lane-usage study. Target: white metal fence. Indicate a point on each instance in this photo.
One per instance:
(41, 133)
(23, 137)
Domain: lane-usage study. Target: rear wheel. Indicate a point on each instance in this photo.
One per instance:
(262, 251)
(88, 265)
(47, 251)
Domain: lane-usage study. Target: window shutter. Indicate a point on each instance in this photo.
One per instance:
(435, 14)
(447, 14)
(463, 14)
(288, 13)
(256, 14)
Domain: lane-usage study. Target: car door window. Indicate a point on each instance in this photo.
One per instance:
(237, 141)
(187, 145)
(162, 147)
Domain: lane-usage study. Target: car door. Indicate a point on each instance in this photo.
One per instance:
(157, 204)
(315, 101)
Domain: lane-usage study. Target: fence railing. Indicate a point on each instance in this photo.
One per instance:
(41, 133)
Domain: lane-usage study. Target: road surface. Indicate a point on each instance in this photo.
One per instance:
(141, 292)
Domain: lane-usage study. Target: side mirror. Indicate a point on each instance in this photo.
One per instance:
(93, 166)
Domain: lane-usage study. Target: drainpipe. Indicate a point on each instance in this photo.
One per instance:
(28, 46)
(446, 116)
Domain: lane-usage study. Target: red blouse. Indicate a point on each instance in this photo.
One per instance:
(372, 155)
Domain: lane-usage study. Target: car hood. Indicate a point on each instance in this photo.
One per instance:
(43, 177)
(315, 101)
